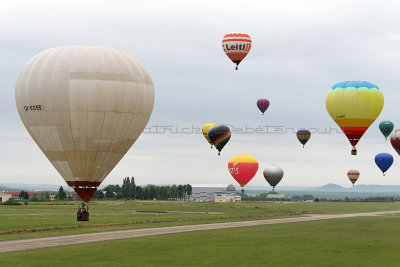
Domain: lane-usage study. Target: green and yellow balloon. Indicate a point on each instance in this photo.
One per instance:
(354, 106)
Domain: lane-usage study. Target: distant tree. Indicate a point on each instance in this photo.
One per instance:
(98, 194)
(11, 201)
(139, 192)
(163, 192)
(146, 193)
(181, 192)
(44, 196)
(126, 188)
(308, 197)
(296, 198)
(173, 192)
(109, 194)
(133, 186)
(61, 195)
(118, 188)
(188, 189)
(113, 188)
(119, 195)
(158, 188)
(34, 198)
(24, 194)
(152, 191)
(316, 199)
(69, 198)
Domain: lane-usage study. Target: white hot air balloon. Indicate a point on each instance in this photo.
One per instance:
(84, 106)
(273, 174)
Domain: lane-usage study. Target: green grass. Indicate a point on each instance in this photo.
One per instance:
(360, 241)
(27, 221)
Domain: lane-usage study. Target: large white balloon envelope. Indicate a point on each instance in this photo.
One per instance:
(84, 106)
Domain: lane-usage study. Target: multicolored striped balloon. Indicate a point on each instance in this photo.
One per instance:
(219, 135)
(263, 104)
(395, 140)
(354, 106)
(243, 168)
(303, 135)
(353, 175)
(236, 46)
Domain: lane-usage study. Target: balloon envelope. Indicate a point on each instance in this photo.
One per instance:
(395, 140)
(384, 161)
(353, 175)
(354, 106)
(303, 136)
(273, 174)
(219, 136)
(386, 128)
(262, 104)
(243, 168)
(205, 130)
(84, 106)
(236, 46)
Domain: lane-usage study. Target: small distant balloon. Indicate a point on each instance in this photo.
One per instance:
(273, 174)
(219, 136)
(384, 161)
(262, 104)
(243, 168)
(236, 46)
(205, 130)
(395, 140)
(303, 136)
(353, 175)
(386, 128)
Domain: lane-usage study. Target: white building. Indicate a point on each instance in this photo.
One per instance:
(4, 197)
(213, 193)
(238, 198)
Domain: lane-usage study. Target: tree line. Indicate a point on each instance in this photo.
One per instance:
(44, 196)
(129, 190)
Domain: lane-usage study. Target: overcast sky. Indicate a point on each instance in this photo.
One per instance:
(300, 49)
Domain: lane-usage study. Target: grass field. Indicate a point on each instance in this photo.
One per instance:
(352, 242)
(47, 219)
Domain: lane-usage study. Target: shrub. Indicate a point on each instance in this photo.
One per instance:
(11, 201)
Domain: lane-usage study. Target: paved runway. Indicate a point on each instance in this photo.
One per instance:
(46, 242)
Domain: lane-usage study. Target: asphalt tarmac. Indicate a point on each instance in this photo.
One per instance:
(66, 240)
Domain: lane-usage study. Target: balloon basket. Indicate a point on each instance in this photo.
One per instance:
(83, 212)
(354, 151)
